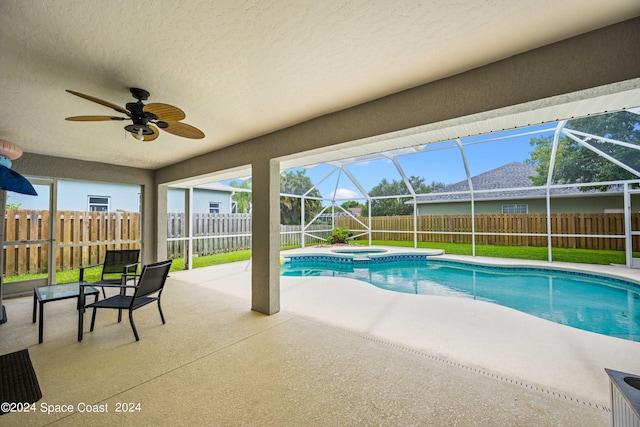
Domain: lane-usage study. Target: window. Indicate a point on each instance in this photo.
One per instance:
(214, 207)
(514, 209)
(98, 203)
(234, 207)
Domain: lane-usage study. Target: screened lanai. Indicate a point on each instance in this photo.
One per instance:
(563, 184)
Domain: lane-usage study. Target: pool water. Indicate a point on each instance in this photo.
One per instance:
(588, 302)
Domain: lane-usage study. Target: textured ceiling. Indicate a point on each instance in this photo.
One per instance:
(240, 69)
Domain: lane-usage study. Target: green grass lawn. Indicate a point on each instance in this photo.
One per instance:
(208, 260)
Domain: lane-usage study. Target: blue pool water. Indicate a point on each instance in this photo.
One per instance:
(594, 303)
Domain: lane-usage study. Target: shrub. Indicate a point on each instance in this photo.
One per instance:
(338, 235)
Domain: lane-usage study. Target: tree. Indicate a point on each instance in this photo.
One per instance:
(397, 206)
(296, 182)
(575, 163)
(351, 204)
(12, 205)
(242, 198)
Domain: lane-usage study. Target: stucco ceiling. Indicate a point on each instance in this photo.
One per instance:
(240, 69)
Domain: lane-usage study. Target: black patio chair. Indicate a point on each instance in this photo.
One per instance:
(116, 263)
(147, 290)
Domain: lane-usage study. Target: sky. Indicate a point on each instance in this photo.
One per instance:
(440, 162)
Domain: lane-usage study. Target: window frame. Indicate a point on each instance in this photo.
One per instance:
(92, 204)
(514, 208)
(214, 206)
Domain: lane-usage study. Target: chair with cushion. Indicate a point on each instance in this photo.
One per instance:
(116, 263)
(148, 289)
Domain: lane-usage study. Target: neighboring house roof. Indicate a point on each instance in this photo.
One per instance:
(512, 175)
(216, 186)
(341, 214)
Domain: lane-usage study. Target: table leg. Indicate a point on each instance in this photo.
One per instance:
(35, 304)
(80, 325)
(81, 303)
(41, 323)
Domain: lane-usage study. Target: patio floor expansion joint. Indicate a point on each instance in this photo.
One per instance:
(475, 370)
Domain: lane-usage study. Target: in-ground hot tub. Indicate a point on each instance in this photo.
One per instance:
(365, 255)
(363, 251)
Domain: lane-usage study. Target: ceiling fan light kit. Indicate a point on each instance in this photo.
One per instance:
(146, 118)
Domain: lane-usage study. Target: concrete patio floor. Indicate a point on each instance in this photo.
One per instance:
(340, 352)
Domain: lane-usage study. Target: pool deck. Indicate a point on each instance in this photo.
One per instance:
(339, 352)
(473, 334)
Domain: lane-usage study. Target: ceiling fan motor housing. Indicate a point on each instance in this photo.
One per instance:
(137, 128)
(139, 94)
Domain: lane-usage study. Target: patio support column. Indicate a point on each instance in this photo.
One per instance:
(160, 215)
(265, 232)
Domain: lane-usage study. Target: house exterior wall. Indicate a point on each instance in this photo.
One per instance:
(201, 200)
(74, 196)
(560, 205)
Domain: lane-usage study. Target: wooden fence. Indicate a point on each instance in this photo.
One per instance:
(218, 233)
(213, 233)
(457, 229)
(82, 238)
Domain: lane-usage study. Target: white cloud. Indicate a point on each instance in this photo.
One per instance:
(345, 194)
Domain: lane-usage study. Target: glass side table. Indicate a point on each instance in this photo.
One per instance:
(44, 294)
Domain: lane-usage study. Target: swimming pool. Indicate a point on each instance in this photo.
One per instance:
(586, 301)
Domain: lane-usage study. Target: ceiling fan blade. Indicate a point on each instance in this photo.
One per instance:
(99, 101)
(184, 130)
(147, 138)
(93, 118)
(165, 112)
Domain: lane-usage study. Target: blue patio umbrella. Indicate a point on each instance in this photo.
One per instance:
(11, 180)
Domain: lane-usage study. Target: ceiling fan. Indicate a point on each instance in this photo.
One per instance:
(147, 118)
